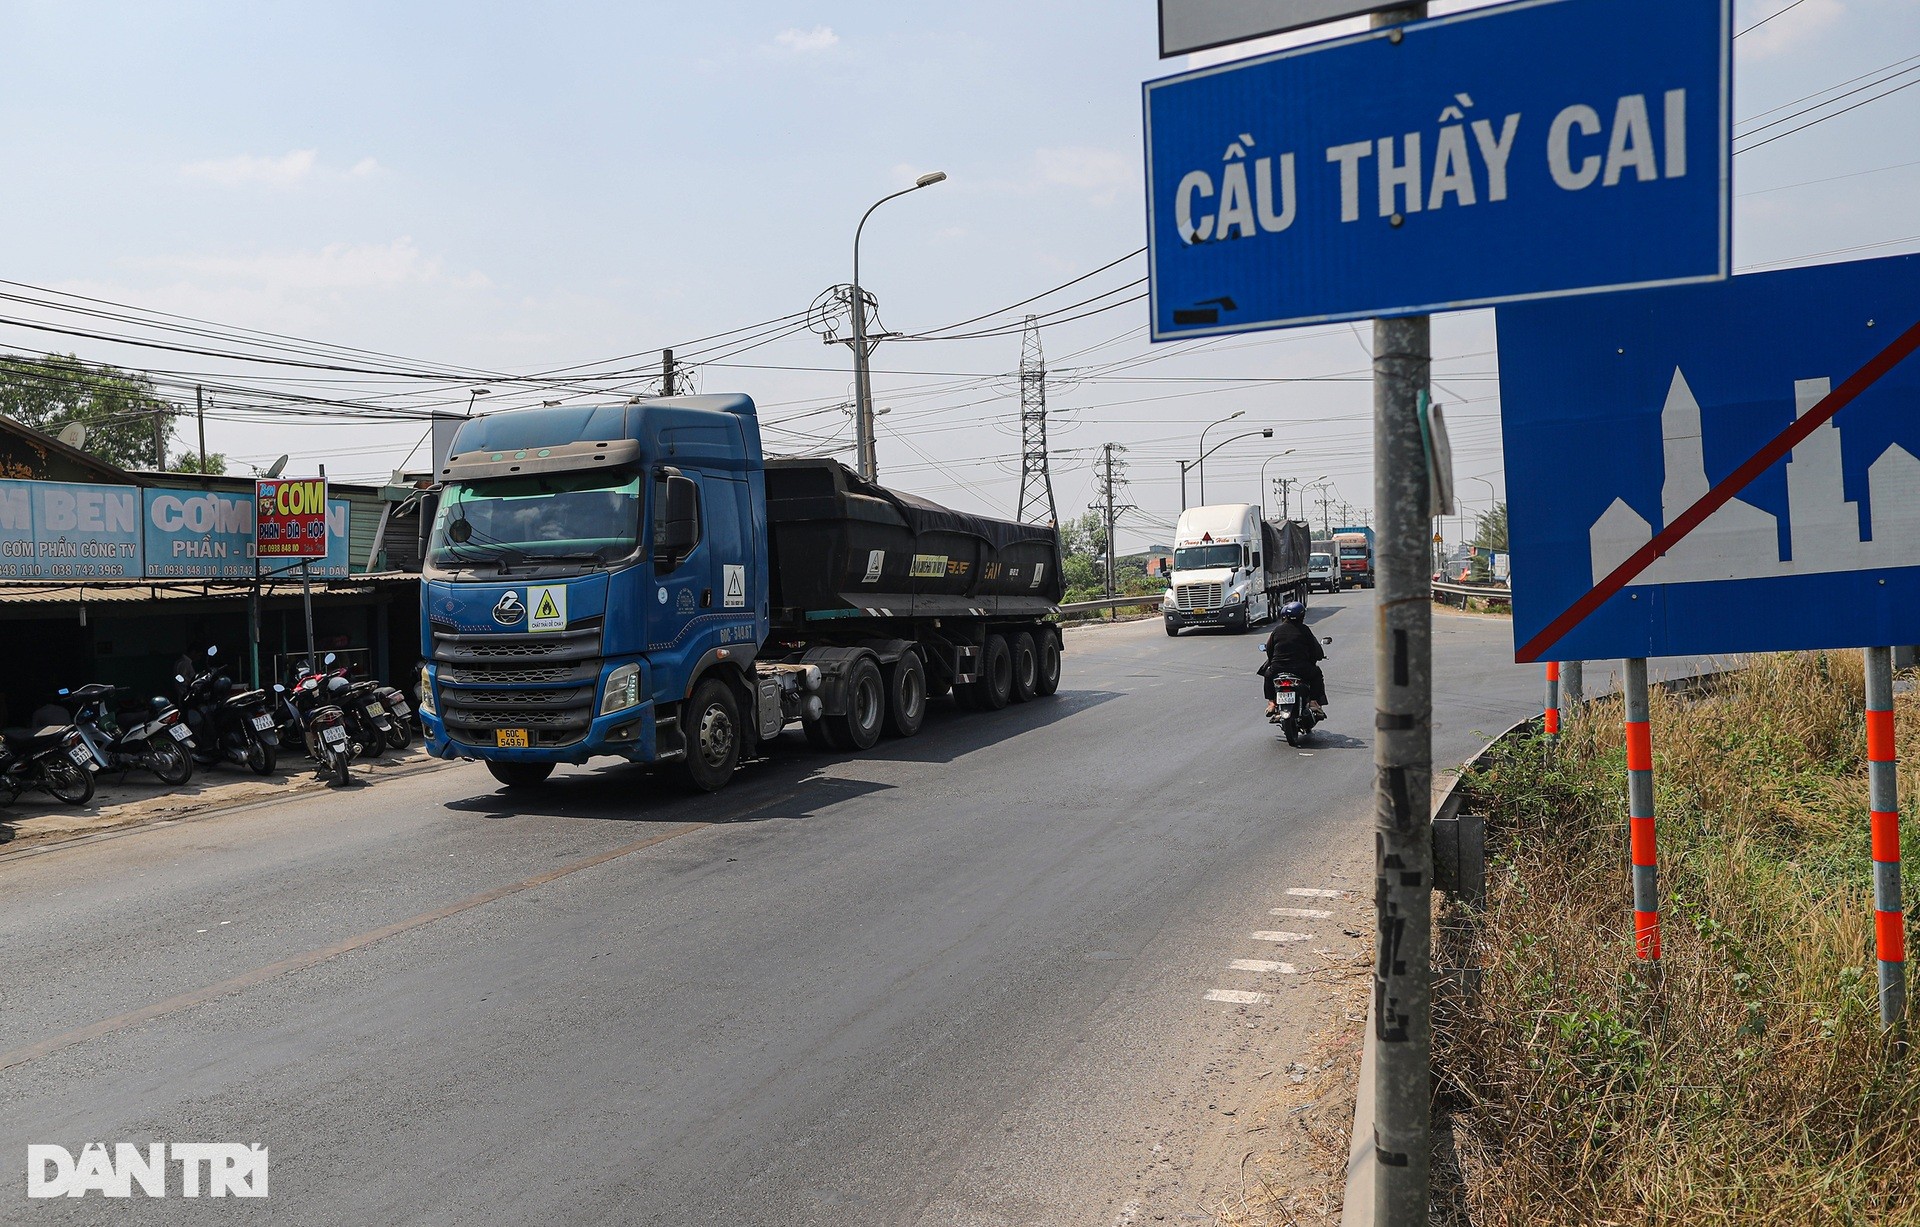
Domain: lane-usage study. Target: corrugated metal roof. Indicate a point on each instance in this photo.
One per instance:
(133, 592)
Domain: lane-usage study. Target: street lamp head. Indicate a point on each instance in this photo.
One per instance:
(1267, 433)
(930, 178)
(1237, 414)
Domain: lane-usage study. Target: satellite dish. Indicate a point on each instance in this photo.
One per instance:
(277, 467)
(73, 434)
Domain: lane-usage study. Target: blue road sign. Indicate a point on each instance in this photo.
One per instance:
(1716, 468)
(1533, 149)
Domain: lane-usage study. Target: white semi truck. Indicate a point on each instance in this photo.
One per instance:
(1233, 569)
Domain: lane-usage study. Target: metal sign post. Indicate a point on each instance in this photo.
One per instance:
(1550, 710)
(1403, 769)
(1889, 920)
(290, 521)
(1640, 836)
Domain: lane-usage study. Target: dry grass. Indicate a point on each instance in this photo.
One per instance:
(1748, 1080)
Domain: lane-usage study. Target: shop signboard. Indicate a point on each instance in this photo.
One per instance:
(292, 519)
(69, 530)
(199, 534)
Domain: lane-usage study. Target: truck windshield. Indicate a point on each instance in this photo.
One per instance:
(1197, 557)
(558, 517)
(1321, 560)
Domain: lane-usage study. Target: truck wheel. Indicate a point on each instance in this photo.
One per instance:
(1026, 668)
(521, 775)
(859, 726)
(1173, 629)
(1048, 679)
(994, 690)
(906, 696)
(710, 726)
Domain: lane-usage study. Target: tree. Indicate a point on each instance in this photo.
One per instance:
(1490, 530)
(118, 408)
(1085, 536)
(189, 462)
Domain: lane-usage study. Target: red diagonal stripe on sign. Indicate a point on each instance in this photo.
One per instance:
(1718, 497)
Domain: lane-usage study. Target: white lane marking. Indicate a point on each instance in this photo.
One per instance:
(1279, 935)
(1234, 996)
(1313, 892)
(1302, 913)
(1285, 969)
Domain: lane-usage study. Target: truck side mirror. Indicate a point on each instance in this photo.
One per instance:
(679, 524)
(429, 511)
(1256, 561)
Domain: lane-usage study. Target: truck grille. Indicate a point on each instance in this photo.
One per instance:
(480, 676)
(1189, 597)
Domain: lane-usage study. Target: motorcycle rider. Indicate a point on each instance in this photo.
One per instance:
(1292, 648)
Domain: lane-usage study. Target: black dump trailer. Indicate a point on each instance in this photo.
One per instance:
(935, 599)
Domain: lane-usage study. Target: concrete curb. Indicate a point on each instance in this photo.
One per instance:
(1356, 1209)
(20, 847)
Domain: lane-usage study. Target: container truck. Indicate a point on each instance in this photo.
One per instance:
(637, 581)
(1355, 548)
(1233, 569)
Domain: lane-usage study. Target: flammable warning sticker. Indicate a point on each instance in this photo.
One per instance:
(549, 605)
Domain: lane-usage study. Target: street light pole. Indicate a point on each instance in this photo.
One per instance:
(1263, 482)
(1201, 463)
(862, 385)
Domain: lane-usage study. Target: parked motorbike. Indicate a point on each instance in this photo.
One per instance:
(155, 739)
(228, 725)
(55, 758)
(399, 715)
(321, 725)
(367, 721)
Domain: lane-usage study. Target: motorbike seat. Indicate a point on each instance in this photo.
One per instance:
(246, 698)
(34, 739)
(93, 690)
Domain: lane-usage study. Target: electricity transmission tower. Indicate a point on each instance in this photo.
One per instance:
(1036, 483)
(1112, 481)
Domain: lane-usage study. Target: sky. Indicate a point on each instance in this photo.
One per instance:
(473, 190)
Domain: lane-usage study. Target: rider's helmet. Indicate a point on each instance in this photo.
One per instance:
(1293, 611)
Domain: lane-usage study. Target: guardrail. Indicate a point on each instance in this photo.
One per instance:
(1485, 592)
(1117, 602)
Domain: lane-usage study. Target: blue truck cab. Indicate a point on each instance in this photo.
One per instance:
(600, 581)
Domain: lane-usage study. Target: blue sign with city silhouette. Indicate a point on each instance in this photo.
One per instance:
(1537, 148)
(1621, 412)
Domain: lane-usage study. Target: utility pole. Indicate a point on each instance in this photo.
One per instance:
(159, 438)
(1402, 760)
(1110, 484)
(666, 372)
(200, 409)
(1036, 482)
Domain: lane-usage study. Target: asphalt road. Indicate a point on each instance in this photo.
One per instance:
(959, 981)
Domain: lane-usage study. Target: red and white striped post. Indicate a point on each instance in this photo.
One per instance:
(1646, 894)
(1550, 713)
(1883, 802)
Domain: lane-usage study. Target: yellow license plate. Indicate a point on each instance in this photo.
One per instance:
(510, 738)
